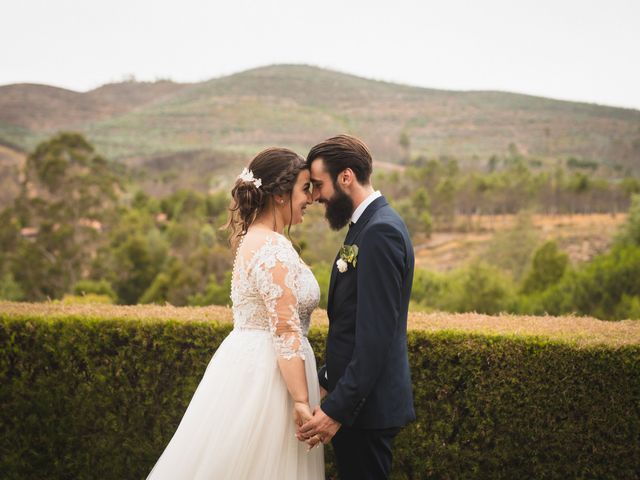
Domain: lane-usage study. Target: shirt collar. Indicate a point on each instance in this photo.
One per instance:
(363, 206)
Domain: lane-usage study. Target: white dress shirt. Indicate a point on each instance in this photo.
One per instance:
(365, 203)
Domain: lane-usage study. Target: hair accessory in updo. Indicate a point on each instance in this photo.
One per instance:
(272, 172)
(247, 176)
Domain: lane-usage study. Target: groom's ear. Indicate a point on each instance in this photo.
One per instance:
(346, 177)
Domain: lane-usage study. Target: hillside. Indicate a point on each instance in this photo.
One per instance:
(29, 113)
(296, 106)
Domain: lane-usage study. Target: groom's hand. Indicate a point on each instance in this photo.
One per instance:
(321, 428)
(323, 393)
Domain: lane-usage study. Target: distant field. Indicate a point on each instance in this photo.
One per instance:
(582, 331)
(580, 236)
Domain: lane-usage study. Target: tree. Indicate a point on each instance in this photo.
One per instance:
(547, 268)
(135, 268)
(67, 195)
(421, 203)
(428, 288)
(630, 231)
(606, 287)
(602, 284)
(415, 212)
(405, 144)
(9, 288)
(579, 183)
(216, 293)
(511, 250)
(492, 164)
(444, 200)
(480, 288)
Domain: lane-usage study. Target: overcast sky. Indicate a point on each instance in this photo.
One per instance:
(576, 50)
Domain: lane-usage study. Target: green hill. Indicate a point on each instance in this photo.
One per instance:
(296, 106)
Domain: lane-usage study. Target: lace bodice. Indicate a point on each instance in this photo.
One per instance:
(273, 289)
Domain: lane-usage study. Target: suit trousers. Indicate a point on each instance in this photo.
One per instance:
(364, 454)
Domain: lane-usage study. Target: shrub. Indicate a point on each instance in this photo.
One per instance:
(89, 298)
(479, 288)
(630, 232)
(9, 288)
(90, 397)
(102, 287)
(547, 268)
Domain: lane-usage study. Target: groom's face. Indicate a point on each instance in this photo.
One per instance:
(338, 205)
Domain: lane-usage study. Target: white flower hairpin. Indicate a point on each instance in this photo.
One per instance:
(247, 176)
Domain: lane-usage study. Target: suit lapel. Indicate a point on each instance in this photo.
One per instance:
(364, 219)
(351, 236)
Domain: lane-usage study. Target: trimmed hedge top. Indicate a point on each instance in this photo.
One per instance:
(577, 331)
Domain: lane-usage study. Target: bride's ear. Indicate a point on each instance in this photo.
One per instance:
(278, 200)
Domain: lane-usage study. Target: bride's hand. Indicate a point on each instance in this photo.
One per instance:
(301, 413)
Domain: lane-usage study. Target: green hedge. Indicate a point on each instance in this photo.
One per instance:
(95, 398)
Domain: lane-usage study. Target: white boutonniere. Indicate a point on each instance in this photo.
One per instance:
(348, 255)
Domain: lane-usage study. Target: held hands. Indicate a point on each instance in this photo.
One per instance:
(301, 413)
(320, 428)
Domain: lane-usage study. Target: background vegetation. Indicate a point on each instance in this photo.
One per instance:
(82, 229)
(515, 203)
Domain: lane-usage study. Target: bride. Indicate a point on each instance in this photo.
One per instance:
(239, 422)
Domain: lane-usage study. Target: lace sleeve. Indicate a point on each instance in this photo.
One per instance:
(276, 278)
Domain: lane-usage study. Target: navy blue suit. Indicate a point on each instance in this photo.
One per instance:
(367, 366)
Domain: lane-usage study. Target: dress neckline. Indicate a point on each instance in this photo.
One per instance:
(267, 232)
(268, 240)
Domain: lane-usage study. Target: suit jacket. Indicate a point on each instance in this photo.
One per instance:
(367, 365)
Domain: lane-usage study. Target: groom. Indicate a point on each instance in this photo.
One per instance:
(366, 378)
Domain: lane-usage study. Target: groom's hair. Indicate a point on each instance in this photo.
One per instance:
(341, 152)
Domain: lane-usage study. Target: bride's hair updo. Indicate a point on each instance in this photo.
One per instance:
(273, 171)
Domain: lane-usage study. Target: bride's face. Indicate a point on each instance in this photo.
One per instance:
(300, 199)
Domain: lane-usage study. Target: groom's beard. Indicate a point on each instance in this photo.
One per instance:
(339, 209)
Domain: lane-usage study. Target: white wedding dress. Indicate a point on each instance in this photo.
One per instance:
(239, 423)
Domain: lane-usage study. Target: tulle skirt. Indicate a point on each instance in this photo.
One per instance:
(239, 423)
